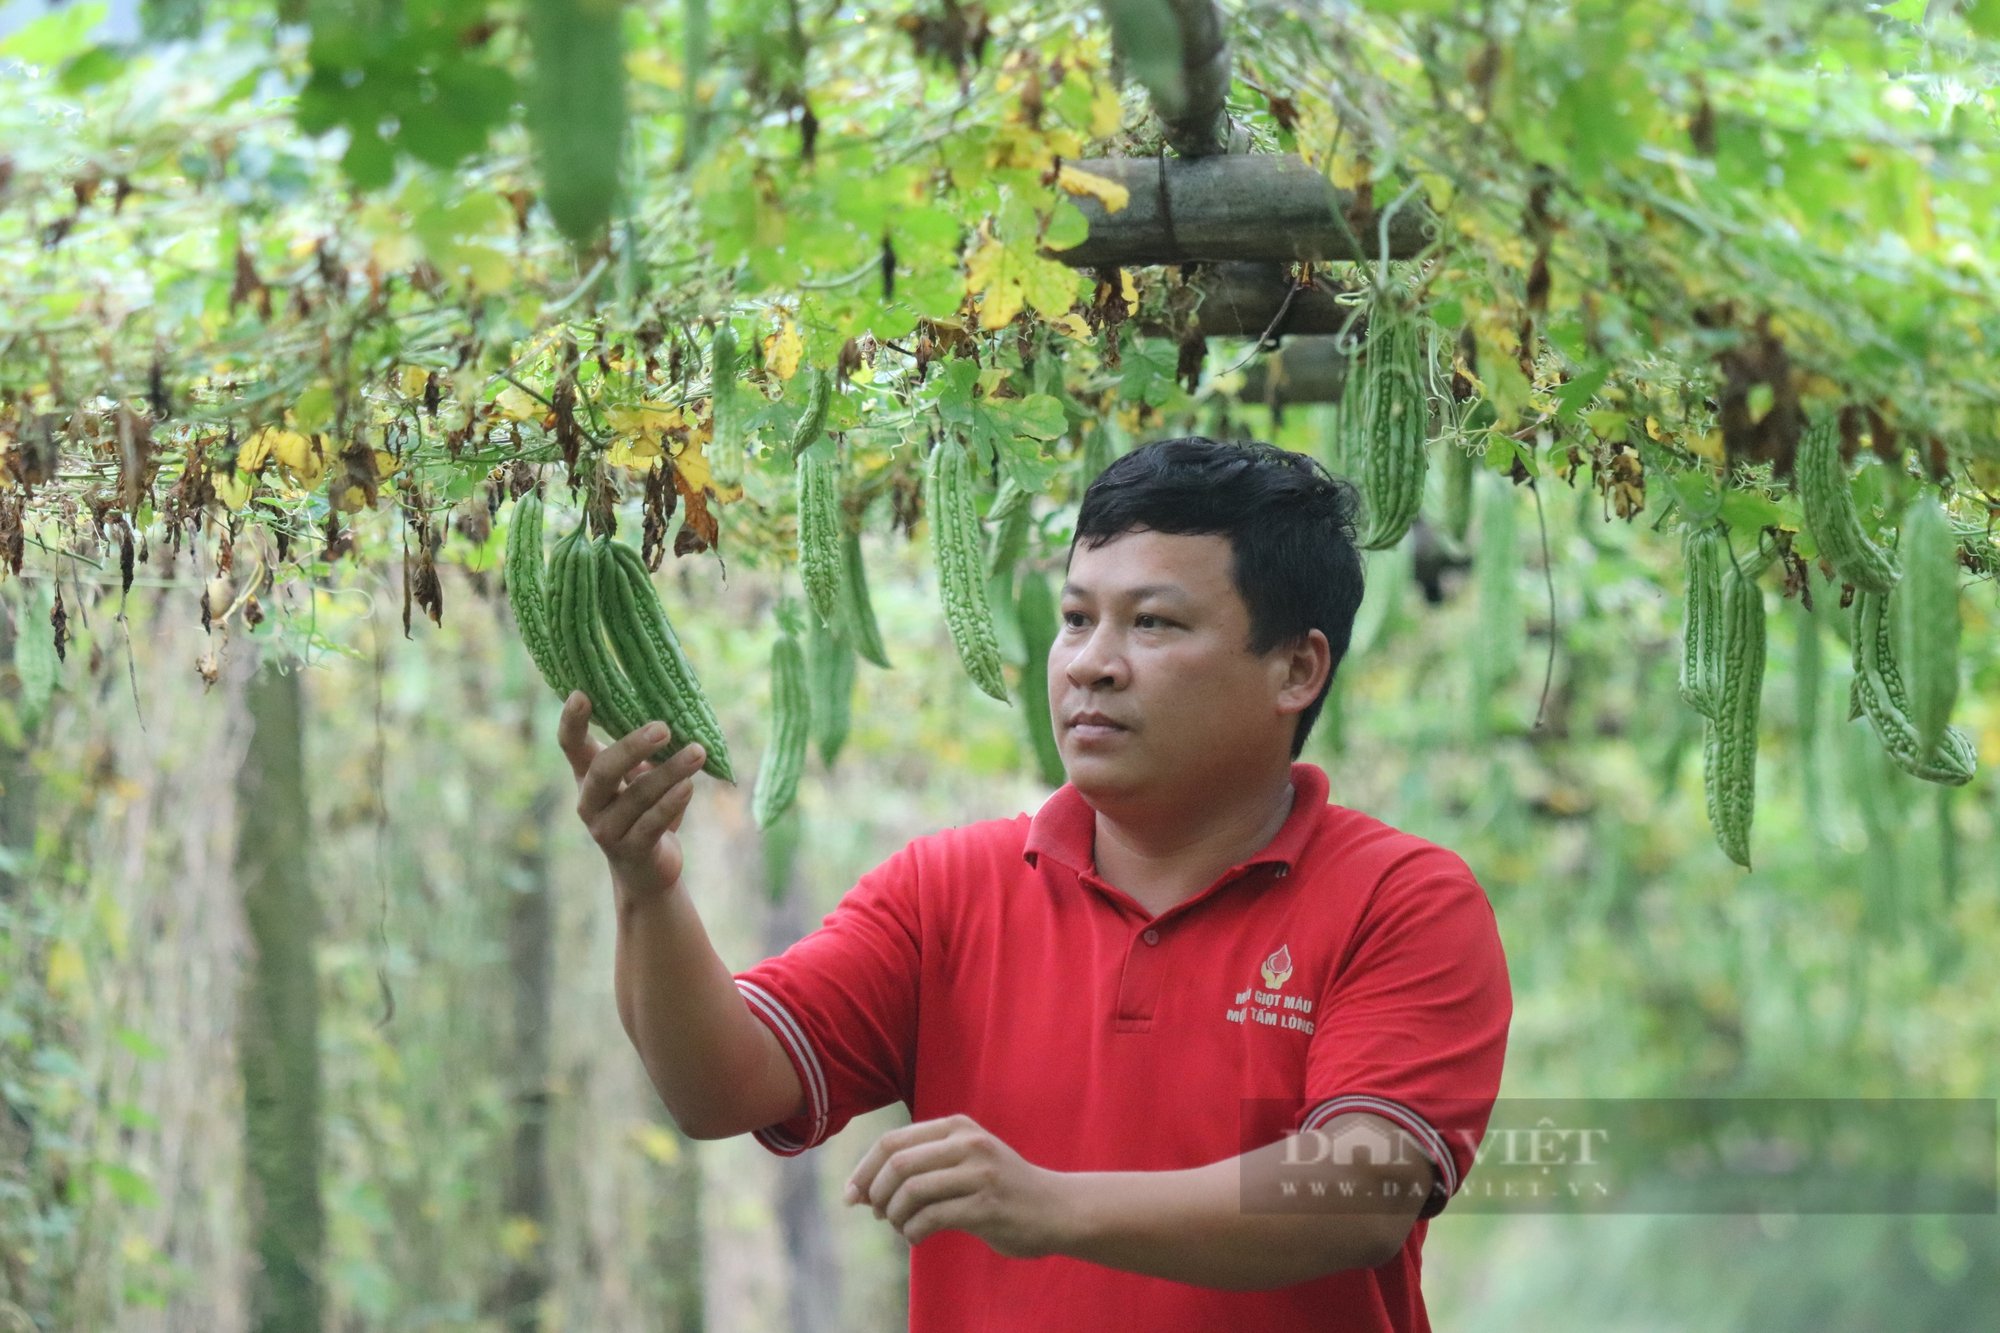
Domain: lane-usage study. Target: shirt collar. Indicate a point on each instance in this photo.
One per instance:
(1065, 828)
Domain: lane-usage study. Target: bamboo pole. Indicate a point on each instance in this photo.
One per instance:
(1268, 207)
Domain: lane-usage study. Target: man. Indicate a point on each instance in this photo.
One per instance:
(1140, 1033)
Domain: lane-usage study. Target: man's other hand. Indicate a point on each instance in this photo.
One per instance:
(952, 1175)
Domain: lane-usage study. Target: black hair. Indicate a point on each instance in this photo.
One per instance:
(1290, 525)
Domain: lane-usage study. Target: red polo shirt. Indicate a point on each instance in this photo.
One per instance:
(988, 971)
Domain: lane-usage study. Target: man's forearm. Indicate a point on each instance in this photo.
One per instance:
(708, 1056)
(1193, 1226)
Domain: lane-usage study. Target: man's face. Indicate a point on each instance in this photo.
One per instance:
(1152, 685)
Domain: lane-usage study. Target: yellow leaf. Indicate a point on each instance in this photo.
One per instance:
(1128, 289)
(692, 460)
(234, 492)
(1106, 113)
(518, 406)
(1006, 277)
(1709, 446)
(296, 454)
(649, 419)
(1101, 188)
(634, 451)
(66, 973)
(1347, 170)
(412, 381)
(1074, 326)
(1019, 147)
(783, 349)
(250, 454)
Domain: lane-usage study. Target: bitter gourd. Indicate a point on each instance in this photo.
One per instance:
(1703, 552)
(1878, 692)
(578, 627)
(1729, 750)
(1830, 515)
(1037, 609)
(650, 653)
(818, 489)
(1927, 618)
(527, 593)
(955, 547)
(830, 678)
(859, 609)
(1397, 441)
(791, 723)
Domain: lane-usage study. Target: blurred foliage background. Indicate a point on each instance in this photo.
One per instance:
(276, 852)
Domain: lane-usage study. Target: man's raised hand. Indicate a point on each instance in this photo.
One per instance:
(632, 807)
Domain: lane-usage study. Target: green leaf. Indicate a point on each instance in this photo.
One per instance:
(1574, 396)
(57, 36)
(369, 160)
(1037, 416)
(100, 64)
(1745, 511)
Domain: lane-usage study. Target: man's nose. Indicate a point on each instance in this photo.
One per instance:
(1097, 660)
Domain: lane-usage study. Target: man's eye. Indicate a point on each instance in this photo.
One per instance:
(1074, 619)
(1148, 622)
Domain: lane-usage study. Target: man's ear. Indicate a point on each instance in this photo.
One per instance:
(1308, 662)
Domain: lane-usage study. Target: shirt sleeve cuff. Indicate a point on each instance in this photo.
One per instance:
(1428, 1139)
(791, 1137)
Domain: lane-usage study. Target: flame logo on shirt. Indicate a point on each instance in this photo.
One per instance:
(1278, 967)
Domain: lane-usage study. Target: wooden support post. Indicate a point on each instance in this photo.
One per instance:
(1248, 300)
(1268, 207)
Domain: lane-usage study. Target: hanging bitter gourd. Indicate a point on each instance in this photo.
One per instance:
(1729, 751)
(1878, 692)
(818, 489)
(1830, 515)
(527, 594)
(830, 680)
(960, 567)
(791, 724)
(725, 444)
(1703, 553)
(1460, 471)
(858, 609)
(650, 653)
(1397, 424)
(1496, 571)
(1927, 618)
(578, 630)
(576, 109)
(819, 405)
(1037, 609)
(1009, 519)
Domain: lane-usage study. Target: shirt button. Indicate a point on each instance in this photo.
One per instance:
(1151, 937)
